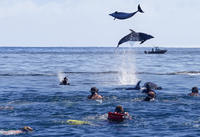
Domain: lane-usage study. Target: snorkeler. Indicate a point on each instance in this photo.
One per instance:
(118, 115)
(6, 108)
(94, 94)
(24, 130)
(195, 92)
(148, 89)
(64, 81)
(150, 96)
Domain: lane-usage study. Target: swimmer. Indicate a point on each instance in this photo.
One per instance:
(118, 115)
(24, 130)
(148, 89)
(195, 92)
(150, 96)
(6, 108)
(64, 81)
(94, 94)
(119, 109)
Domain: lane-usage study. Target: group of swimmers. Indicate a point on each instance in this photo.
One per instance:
(118, 115)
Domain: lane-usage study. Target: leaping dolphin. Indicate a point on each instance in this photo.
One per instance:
(135, 36)
(123, 15)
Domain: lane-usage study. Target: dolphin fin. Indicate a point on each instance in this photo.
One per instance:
(140, 9)
(132, 31)
(142, 41)
(138, 85)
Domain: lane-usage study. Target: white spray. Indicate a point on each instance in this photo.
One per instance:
(126, 67)
(61, 76)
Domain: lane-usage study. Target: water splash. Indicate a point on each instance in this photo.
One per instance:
(126, 67)
(61, 76)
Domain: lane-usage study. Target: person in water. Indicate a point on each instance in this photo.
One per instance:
(150, 96)
(6, 108)
(119, 114)
(94, 94)
(120, 109)
(148, 89)
(23, 130)
(64, 81)
(195, 92)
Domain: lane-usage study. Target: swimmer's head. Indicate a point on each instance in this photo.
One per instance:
(195, 90)
(151, 94)
(148, 87)
(119, 109)
(27, 129)
(94, 90)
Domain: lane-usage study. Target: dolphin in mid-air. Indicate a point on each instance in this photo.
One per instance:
(123, 15)
(135, 36)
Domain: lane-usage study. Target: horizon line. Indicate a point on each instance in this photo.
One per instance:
(97, 47)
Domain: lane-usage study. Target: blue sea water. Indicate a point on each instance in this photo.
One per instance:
(29, 84)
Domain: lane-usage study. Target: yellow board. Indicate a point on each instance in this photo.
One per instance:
(77, 122)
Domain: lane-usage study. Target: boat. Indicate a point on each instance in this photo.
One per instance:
(156, 50)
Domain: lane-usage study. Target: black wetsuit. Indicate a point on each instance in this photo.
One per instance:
(148, 98)
(64, 82)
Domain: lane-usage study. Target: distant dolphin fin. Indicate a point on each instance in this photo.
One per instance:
(142, 41)
(140, 9)
(138, 85)
(132, 31)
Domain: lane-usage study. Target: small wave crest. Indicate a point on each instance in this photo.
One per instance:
(185, 73)
(172, 73)
(62, 74)
(59, 74)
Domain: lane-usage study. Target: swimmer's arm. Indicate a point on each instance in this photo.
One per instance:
(11, 132)
(127, 115)
(100, 97)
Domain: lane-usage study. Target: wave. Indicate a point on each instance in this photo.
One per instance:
(105, 72)
(185, 73)
(55, 74)
(173, 73)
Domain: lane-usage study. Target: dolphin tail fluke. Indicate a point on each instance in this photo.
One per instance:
(140, 9)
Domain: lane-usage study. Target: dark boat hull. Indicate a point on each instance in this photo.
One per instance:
(156, 52)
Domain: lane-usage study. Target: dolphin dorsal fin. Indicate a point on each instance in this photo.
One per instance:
(132, 31)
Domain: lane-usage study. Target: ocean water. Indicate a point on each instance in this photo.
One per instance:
(30, 94)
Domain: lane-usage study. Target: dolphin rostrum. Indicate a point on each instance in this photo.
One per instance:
(123, 15)
(135, 36)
